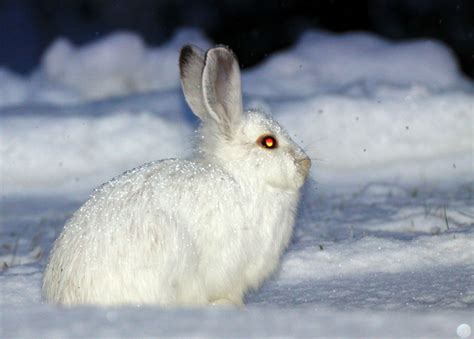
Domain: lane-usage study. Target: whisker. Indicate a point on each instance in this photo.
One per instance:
(317, 159)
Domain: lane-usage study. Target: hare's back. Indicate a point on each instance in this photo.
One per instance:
(170, 188)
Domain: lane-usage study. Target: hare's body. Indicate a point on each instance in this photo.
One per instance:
(131, 246)
(188, 232)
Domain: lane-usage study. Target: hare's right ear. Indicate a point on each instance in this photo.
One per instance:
(221, 88)
(191, 66)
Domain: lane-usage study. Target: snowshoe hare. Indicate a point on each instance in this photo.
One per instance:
(188, 232)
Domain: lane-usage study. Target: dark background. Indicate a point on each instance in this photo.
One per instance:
(253, 29)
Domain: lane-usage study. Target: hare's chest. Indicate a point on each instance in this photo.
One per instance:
(255, 247)
(245, 245)
(271, 238)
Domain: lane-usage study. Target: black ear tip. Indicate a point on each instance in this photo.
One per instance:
(185, 54)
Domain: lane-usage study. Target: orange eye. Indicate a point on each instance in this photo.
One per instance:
(267, 141)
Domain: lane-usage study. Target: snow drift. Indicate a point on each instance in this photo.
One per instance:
(356, 101)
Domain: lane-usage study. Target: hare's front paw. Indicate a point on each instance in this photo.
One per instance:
(227, 303)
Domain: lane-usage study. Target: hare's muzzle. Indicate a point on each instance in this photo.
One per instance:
(304, 164)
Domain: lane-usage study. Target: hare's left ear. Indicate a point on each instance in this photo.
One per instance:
(191, 66)
(221, 88)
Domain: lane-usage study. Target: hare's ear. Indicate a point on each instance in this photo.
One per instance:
(221, 88)
(191, 66)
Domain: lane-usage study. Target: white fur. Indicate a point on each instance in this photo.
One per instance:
(187, 232)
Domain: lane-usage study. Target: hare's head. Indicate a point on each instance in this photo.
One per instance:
(249, 145)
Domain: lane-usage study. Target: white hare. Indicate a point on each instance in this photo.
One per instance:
(188, 232)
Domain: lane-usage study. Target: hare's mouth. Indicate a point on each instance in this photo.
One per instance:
(295, 181)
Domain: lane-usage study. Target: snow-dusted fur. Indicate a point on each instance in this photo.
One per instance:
(187, 232)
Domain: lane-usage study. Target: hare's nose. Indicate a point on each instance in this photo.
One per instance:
(304, 164)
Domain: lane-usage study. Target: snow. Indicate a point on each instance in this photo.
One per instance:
(358, 63)
(118, 65)
(385, 239)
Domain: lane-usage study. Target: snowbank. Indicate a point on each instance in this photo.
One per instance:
(54, 149)
(120, 64)
(359, 64)
(363, 107)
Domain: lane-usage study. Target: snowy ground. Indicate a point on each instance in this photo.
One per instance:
(384, 246)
